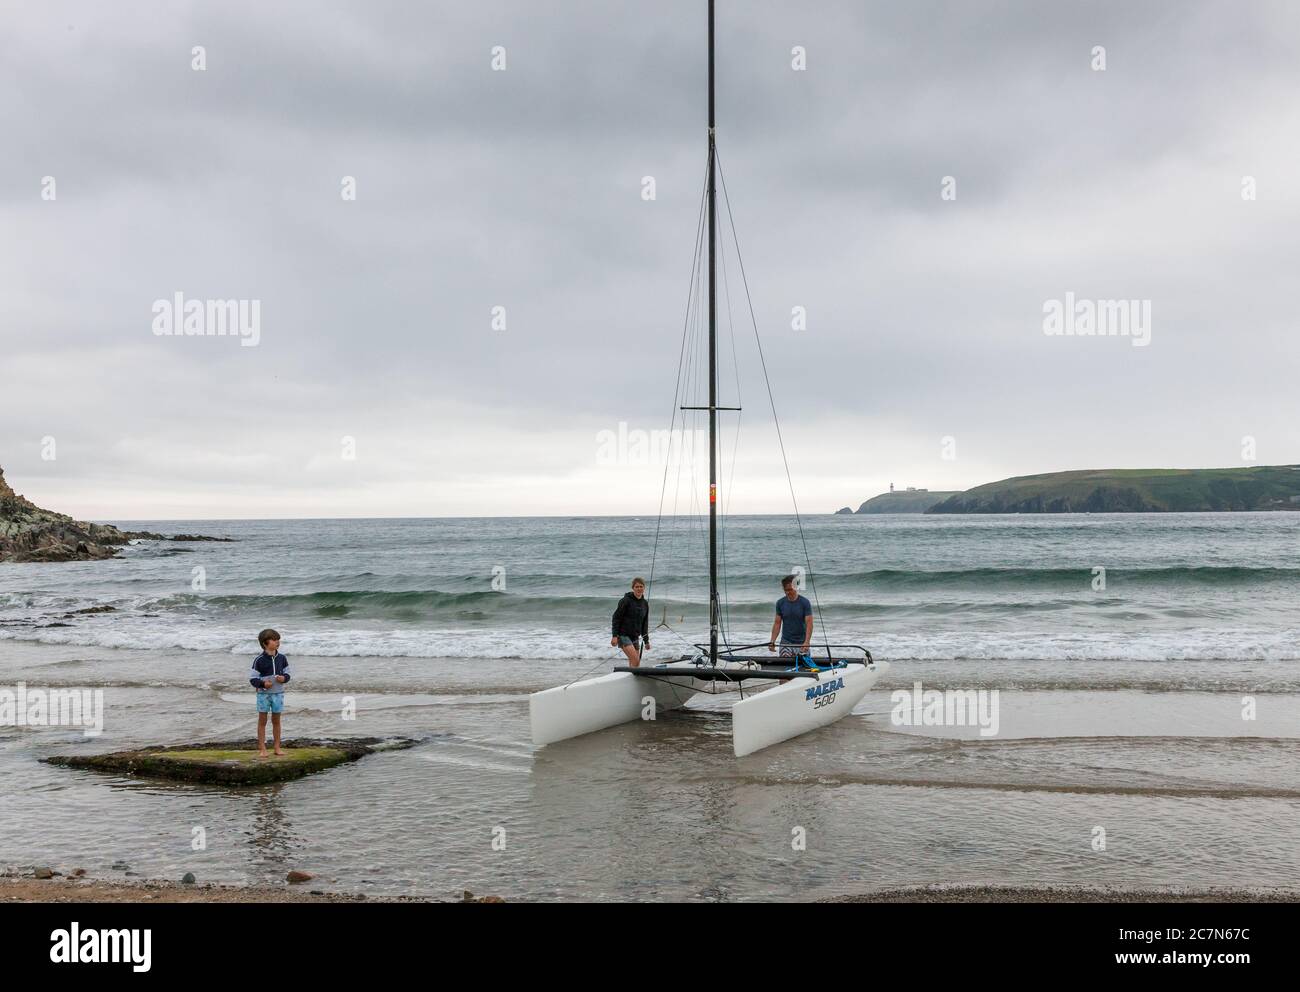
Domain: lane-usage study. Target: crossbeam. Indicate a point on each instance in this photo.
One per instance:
(707, 673)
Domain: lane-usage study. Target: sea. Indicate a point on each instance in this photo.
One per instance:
(1144, 671)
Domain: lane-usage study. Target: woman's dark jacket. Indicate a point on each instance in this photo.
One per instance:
(632, 617)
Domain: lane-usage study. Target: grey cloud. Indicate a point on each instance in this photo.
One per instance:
(521, 189)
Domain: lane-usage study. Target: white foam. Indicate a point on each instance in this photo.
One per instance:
(593, 645)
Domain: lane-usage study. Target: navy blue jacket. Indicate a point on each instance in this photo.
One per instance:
(266, 667)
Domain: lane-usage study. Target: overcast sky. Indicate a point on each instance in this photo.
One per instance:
(523, 189)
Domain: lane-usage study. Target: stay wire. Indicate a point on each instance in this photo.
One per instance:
(740, 261)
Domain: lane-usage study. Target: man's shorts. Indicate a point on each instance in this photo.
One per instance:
(628, 641)
(792, 650)
(270, 702)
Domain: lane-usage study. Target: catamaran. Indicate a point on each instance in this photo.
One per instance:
(805, 689)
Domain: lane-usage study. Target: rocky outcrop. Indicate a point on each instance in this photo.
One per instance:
(28, 533)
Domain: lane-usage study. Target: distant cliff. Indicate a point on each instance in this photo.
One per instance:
(904, 502)
(1263, 487)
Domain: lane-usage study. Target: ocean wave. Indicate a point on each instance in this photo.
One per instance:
(1206, 575)
(1184, 592)
(344, 602)
(746, 594)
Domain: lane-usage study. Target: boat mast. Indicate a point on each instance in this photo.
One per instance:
(713, 376)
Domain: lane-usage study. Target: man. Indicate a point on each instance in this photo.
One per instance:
(631, 623)
(794, 619)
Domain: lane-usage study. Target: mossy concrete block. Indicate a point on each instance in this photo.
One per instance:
(231, 762)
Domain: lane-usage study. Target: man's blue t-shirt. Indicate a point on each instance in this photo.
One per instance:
(793, 628)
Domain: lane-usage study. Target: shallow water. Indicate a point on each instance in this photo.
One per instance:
(1125, 721)
(663, 810)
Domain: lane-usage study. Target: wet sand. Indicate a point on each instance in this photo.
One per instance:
(78, 890)
(1065, 894)
(62, 889)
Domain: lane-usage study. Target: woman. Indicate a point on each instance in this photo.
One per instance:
(631, 625)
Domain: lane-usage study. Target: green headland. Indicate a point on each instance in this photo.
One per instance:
(1139, 490)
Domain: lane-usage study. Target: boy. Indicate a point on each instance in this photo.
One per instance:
(269, 675)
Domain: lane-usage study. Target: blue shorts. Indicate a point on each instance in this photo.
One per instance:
(270, 702)
(625, 641)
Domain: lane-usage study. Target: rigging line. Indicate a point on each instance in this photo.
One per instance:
(735, 361)
(699, 228)
(696, 522)
(690, 379)
(726, 494)
(812, 583)
(599, 664)
(688, 382)
(724, 621)
(685, 377)
(725, 502)
(692, 528)
(678, 387)
(695, 531)
(731, 328)
(668, 627)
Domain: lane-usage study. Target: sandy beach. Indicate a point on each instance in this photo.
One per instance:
(62, 889)
(1065, 894)
(18, 885)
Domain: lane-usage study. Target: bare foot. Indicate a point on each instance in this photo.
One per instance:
(262, 754)
(279, 753)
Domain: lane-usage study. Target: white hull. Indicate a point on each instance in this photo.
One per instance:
(762, 718)
(798, 706)
(585, 707)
